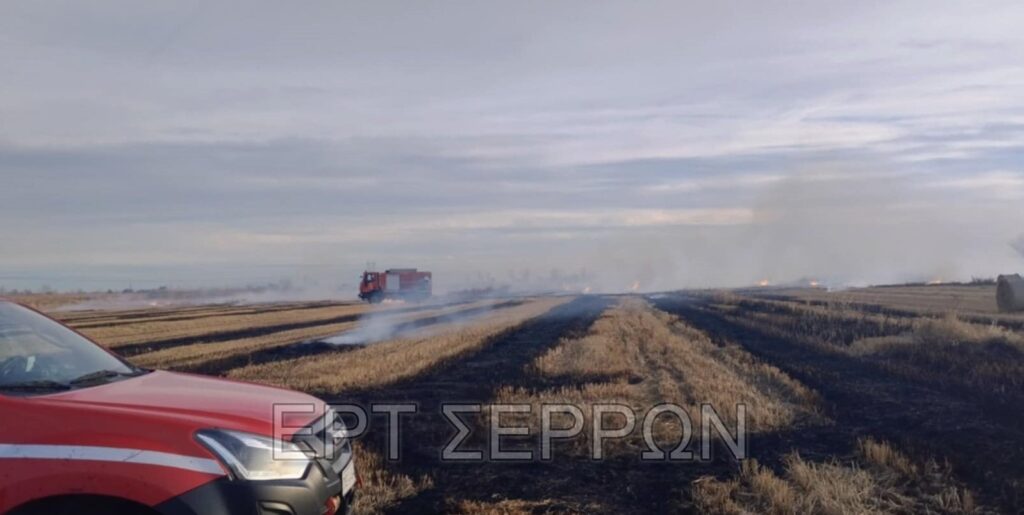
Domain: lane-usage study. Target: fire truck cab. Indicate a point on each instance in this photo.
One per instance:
(395, 283)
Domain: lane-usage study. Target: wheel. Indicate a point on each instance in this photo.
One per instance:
(83, 505)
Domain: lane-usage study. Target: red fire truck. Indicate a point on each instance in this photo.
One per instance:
(395, 283)
(86, 432)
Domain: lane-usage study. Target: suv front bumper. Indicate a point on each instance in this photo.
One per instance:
(224, 496)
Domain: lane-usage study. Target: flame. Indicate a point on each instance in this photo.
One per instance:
(764, 282)
(636, 286)
(815, 284)
(936, 281)
(586, 290)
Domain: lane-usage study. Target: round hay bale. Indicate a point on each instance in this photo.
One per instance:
(1010, 293)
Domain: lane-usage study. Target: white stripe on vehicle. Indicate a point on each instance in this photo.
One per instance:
(110, 454)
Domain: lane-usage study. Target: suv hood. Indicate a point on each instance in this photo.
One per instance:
(204, 401)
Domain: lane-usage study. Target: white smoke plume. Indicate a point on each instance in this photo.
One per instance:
(1018, 245)
(413, 320)
(373, 327)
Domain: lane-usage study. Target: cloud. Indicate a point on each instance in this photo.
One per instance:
(661, 140)
(1001, 185)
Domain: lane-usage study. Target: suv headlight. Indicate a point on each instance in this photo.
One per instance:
(255, 457)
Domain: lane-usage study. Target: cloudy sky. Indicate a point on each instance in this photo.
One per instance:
(656, 144)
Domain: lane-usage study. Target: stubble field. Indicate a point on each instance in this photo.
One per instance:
(885, 400)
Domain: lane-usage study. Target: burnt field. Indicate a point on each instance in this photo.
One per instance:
(878, 403)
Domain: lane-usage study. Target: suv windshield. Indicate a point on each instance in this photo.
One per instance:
(38, 353)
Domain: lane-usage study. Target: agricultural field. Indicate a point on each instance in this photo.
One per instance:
(882, 400)
(977, 301)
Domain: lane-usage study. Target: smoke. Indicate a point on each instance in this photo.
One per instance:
(849, 226)
(1018, 245)
(412, 321)
(373, 327)
(838, 225)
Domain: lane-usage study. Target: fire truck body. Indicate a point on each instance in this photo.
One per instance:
(395, 283)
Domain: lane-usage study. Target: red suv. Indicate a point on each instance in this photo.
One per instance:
(84, 432)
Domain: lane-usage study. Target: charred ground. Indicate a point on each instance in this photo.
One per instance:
(858, 403)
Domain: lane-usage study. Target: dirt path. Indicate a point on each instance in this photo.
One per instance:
(985, 450)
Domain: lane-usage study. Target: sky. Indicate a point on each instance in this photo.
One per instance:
(604, 145)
